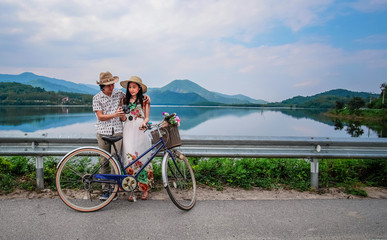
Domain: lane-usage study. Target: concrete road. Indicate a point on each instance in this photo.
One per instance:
(160, 219)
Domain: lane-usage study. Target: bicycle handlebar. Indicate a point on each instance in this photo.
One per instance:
(150, 125)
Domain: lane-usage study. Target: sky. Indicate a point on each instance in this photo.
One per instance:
(265, 49)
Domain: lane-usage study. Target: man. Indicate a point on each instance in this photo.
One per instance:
(106, 105)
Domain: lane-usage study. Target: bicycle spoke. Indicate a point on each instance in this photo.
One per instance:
(74, 171)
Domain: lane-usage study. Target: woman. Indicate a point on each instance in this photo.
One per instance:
(135, 140)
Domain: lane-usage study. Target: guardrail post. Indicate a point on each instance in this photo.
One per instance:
(314, 173)
(39, 172)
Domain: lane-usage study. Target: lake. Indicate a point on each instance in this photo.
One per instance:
(228, 121)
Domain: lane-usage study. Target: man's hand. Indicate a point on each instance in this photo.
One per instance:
(121, 114)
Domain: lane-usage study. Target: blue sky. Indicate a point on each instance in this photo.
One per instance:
(265, 49)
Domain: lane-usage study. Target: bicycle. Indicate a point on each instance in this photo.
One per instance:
(79, 183)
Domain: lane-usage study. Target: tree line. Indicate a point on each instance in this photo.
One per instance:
(12, 93)
(357, 103)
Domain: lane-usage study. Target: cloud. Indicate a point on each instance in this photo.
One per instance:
(148, 21)
(215, 43)
(379, 38)
(369, 5)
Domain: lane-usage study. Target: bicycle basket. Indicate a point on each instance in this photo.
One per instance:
(170, 134)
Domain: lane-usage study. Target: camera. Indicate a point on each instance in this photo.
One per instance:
(126, 108)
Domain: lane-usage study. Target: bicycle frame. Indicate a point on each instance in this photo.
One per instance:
(118, 178)
(82, 187)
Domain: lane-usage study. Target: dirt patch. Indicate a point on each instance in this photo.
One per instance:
(205, 193)
(261, 194)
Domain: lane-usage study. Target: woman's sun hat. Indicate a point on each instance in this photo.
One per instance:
(135, 79)
(106, 78)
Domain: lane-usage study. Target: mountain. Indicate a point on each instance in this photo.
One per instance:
(327, 99)
(198, 95)
(186, 92)
(174, 98)
(342, 93)
(50, 84)
(179, 92)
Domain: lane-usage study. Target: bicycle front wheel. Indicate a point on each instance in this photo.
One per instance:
(75, 181)
(179, 180)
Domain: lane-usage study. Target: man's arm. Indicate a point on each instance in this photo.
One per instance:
(104, 117)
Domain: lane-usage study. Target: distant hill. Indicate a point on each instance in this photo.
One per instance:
(179, 91)
(50, 84)
(327, 99)
(12, 93)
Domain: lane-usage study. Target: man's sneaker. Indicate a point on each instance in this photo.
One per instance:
(104, 196)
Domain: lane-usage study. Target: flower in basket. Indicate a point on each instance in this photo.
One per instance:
(172, 119)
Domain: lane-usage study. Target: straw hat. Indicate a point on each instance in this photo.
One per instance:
(135, 79)
(106, 78)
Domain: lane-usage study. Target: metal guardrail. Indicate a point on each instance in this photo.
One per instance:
(213, 146)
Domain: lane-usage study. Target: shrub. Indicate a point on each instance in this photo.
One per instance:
(13, 172)
(267, 173)
(252, 172)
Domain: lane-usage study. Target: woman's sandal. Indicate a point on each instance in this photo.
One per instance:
(131, 199)
(144, 195)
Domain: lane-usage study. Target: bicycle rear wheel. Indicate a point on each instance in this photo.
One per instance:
(179, 180)
(75, 181)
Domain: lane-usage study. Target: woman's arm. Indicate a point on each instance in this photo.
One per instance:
(147, 99)
(146, 112)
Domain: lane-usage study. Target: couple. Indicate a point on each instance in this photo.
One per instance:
(112, 120)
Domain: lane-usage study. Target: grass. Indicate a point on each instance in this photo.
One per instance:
(267, 173)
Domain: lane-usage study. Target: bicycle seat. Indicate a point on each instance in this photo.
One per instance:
(111, 138)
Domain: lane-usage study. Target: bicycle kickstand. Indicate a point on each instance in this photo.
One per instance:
(132, 193)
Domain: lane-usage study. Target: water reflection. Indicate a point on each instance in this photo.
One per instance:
(193, 116)
(313, 114)
(195, 121)
(355, 128)
(352, 128)
(32, 118)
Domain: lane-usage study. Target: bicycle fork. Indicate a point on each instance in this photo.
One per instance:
(176, 156)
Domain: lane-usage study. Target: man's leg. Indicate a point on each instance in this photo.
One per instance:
(118, 146)
(105, 169)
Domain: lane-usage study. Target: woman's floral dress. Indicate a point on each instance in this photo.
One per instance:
(135, 142)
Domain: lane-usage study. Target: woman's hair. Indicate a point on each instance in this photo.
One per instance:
(102, 87)
(139, 96)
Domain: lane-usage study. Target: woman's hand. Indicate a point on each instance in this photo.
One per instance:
(147, 99)
(143, 125)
